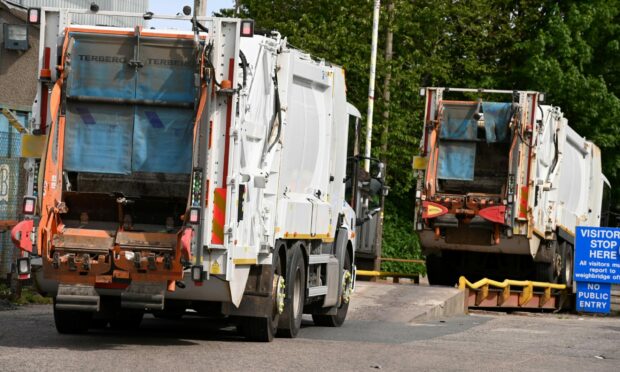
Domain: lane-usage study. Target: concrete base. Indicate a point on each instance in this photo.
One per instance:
(404, 302)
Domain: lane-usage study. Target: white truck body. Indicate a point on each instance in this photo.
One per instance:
(522, 194)
(266, 179)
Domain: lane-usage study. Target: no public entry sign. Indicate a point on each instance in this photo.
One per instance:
(597, 266)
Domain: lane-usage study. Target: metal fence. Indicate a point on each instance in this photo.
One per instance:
(12, 189)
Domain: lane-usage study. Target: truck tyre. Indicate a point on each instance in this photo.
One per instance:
(566, 276)
(338, 319)
(264, 329)
(127, 319)
(550, 272)
(290, 319)
(436, 271)
(71, 321)
(99, 323)
(544, 272)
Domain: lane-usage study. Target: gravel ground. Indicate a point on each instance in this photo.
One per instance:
(6, 305)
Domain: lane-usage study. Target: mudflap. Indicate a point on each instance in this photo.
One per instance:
(335, 269)
(144, 296)
(257, 300)
(77, 297)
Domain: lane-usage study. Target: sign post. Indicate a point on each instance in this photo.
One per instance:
(597, 267)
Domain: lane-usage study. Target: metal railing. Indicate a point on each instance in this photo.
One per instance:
(503, 295)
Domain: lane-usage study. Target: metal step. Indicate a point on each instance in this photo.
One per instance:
(315, 259)
(317, 291)
(143, 296)
(77, 297)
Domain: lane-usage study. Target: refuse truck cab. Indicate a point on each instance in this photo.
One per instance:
(196, 170)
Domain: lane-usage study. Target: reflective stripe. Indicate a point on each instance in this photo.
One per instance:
(219, 215)
(244, 261)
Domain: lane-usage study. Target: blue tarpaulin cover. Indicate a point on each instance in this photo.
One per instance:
(98, 138)
(128, 137)
(162, 140)
(100, 68)
(457, 158)
(496, 120)
(457, 149)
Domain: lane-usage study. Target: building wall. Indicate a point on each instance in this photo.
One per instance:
(18, 69)
(126, 6)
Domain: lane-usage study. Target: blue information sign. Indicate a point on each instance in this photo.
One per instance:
(597, 257)
(593, 297)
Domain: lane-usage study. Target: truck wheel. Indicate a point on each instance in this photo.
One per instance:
(290, 319)
(127, 319)
(544, 272)
(264, 329)
(436, 271)
(566, 276)
(99, 323)
(71, 321)
(170, 314)
(347, 283)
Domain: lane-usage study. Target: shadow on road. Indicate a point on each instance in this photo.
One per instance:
(33, 327)
(36, 329)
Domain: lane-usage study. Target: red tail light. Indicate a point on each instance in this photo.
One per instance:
(29, 205)
(432, 210)
(34, 16)
(494, 214)
(247, 28)
(194, 216)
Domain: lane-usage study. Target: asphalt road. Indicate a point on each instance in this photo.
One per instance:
(475, 342)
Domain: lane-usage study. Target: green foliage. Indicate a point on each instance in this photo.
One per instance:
(567, 49)
(398, 239)
(28, 296)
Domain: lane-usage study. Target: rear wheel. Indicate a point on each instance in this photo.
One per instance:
(99, 323)
(71, 321)
(566, 275)
(437, 272)
(127, 319)
(545, 272)
(347, 285)
(290, 319)
(170, 314)
(550, 272)
(264, 329)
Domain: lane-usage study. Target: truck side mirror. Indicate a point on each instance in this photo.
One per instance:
(380, 166)
(369, 215)
(386, 190)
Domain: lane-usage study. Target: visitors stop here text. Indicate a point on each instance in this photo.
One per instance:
(597, 256)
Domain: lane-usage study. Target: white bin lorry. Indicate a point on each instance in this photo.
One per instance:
(197, 170)
(501, 186)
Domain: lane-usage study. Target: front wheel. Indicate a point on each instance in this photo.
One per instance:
(341, 314)
(290, 319)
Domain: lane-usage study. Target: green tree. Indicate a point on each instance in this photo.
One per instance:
(568, 49)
